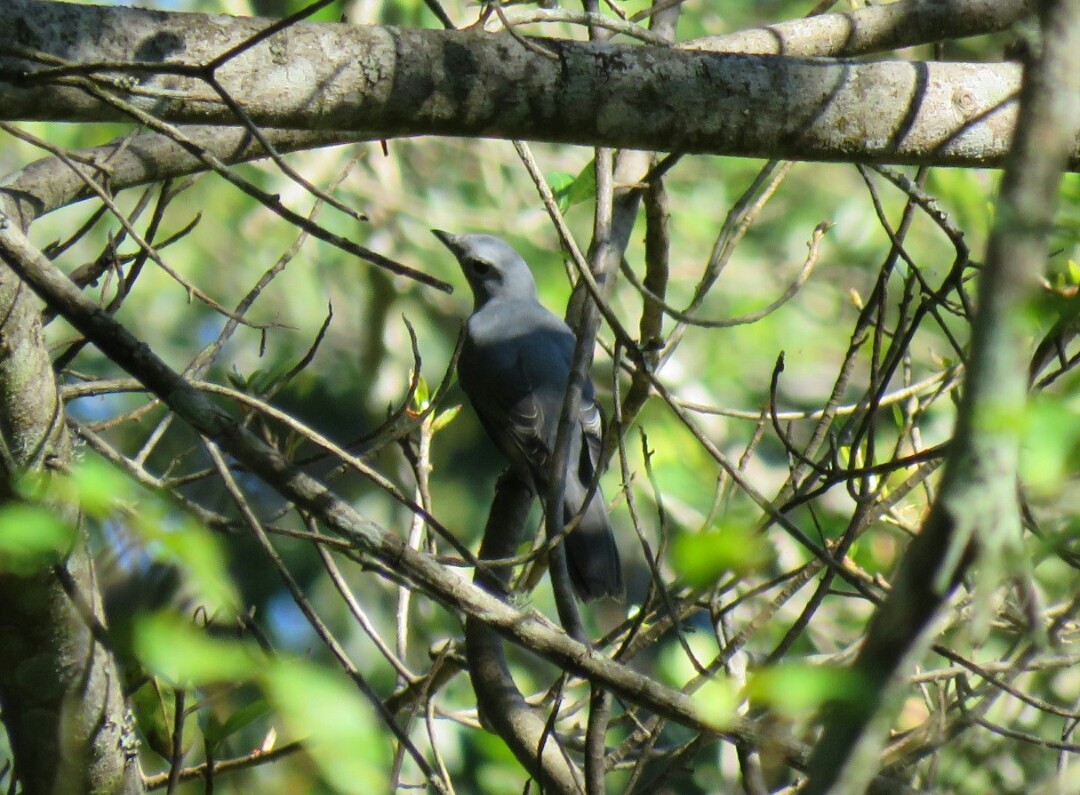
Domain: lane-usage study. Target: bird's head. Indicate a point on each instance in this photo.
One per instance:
(492, 267)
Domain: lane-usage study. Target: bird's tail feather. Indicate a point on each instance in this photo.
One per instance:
(591, 553)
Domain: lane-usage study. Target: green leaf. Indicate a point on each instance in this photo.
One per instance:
(422, 395)
(102, 491)
(718, 703)
(326, 711)
(31, 538)
(574, 190)
(260, 381)
(445, 418)
(898, 416)
(180, 653)
(199, 553)
(799, 689)
(1074, 272)
(560, 181)
(1050, 453)
(92, 483)
(154, 705)
(215, 731)
(702, 558)
(237, 379)
(99, 487)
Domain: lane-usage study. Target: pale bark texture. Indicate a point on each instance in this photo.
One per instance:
(396, 82)
(60, 692)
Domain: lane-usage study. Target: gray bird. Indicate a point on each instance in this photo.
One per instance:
(514, 367)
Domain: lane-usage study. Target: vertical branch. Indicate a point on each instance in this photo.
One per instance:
(651, 325)
(421, 464)
(503, 708)
(67, 725)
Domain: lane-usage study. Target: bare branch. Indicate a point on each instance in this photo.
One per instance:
(976, 510)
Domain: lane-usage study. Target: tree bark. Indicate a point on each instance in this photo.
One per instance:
(60, 694)
(386, 82)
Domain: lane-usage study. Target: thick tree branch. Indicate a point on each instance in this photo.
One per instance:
(396, 82)
(60, 693)
(872, 28)
(976, 510)
(49, 183)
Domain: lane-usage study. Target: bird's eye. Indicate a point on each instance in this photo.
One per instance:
(480, 268)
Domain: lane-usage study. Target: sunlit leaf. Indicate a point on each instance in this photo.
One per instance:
(717, 701)
(32, 537)
(1051, 444)
(559, 181)
(184, 655)
(798, 689)
(184, 542)
(335, 723)
(1074, 272)
(99, 486)
(445, 418)
(700, 559)
(215, 730)
(574, 190)
(422, 395)
(96, 486)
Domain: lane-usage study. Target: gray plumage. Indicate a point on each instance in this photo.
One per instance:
(514, 367)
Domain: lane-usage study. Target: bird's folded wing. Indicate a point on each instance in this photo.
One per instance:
(592, 431)
(513, 415)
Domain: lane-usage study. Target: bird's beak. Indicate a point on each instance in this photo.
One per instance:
(452, 242)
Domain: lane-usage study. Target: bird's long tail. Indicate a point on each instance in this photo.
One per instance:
(591, 553)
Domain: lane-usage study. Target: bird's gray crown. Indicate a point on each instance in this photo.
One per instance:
(491, 266)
